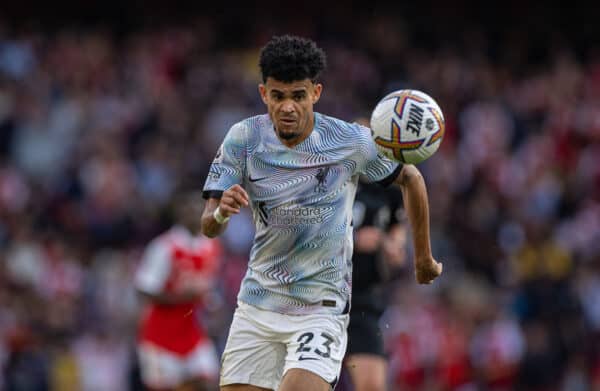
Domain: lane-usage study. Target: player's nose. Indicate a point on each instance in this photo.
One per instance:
(287, 107)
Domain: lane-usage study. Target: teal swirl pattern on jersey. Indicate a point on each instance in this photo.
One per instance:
(301, 200)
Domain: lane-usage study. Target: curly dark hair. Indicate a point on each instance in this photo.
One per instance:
(290, 58)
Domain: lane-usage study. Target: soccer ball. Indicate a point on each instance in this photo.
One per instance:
(407, 126)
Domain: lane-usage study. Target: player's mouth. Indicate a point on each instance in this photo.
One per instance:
(287, 121)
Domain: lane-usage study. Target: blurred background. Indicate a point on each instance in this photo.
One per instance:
(107, 108)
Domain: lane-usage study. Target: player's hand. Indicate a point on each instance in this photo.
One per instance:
(427, 270)
(232, 200)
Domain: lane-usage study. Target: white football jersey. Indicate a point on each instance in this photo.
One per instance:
(301, 199)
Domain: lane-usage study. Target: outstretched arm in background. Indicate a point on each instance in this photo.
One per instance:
(416, 204)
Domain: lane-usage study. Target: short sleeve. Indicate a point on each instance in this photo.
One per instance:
(229, 164)
(153, 271)
(376, 167)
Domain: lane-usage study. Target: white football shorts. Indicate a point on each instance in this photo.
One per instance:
(263, 345)
(161, 368)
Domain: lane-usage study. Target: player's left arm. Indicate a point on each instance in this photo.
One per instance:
(414, 192)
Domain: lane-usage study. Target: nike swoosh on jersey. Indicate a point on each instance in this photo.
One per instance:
(256, 179)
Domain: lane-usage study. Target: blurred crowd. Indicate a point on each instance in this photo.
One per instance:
(98, 130)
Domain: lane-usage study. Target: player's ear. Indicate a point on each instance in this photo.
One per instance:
(317, 89)
(262, 89)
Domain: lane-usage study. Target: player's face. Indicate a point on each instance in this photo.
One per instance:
(290, 106)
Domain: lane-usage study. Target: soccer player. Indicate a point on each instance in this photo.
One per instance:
(380, 235)
(298, 171)
(177, 270)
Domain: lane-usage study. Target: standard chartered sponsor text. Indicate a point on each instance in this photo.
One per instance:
(291, 216)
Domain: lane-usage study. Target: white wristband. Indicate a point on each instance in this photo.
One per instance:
(219, 218)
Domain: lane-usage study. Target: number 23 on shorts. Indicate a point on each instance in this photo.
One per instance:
(314, 346)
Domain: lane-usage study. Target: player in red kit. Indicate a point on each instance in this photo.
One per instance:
(178, 268)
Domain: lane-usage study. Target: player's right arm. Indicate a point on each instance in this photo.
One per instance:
(222, 188)
(218, 211)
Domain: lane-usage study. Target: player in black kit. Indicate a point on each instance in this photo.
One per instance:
(379, 254)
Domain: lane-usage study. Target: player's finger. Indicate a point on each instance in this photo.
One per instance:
(233, 197)
(427, 277)
(237, 189)
(228, 200)
(239, 198)
(229, 209)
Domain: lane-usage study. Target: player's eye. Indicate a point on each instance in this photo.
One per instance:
(299, 96)
(277, 96)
